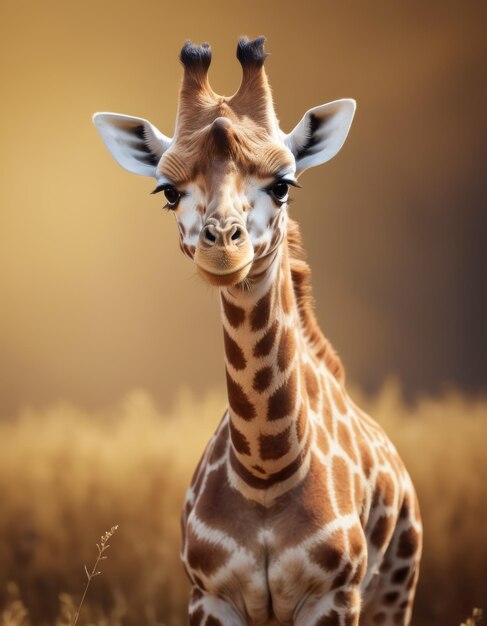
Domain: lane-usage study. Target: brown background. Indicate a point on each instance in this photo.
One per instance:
(95, 295)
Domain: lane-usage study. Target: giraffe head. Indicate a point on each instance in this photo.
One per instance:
(226, 172)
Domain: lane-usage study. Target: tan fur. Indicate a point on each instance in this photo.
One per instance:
(250, 149)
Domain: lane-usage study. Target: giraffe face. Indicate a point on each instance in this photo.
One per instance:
(226, 172)
(230, 207)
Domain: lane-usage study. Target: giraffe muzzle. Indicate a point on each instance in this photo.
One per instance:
(224, 253)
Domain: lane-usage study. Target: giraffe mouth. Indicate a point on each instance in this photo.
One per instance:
(227, 278)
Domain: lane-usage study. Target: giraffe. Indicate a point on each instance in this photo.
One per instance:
(300, 510)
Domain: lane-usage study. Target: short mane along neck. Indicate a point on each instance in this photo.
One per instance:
(273, 351)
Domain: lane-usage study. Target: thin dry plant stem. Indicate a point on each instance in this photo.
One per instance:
(102, 547)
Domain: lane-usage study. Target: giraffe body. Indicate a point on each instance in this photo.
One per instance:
(339, 537)
(300, 510)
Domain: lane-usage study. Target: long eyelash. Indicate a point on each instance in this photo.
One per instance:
(290, 181)
(160, 188)
(165, 186)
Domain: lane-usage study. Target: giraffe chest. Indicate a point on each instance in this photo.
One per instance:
(255, 573)
(267, 560)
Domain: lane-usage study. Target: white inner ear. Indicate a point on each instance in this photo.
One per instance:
(133, 142)
(321, 133)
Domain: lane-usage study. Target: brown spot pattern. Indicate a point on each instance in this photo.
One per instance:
(328, 555)
(343, 487)
(322, 440)
(286, 350)
(339, 400)
(390, 597)
(239, 401)
(381, 531)
(274, 446)
(332, 619)
(400, 575)
(233, 352)
(220, 503)
(312, 387)
(343, 577)
(212, 621)
(345, 440)
(356, 541)
(360, 569)
(366, 457)
(234, 314)
(266, 342)
(259, 318)
(344, 598)
(327, 414)
(262, 379)
(386, 487)
(264, 483)
(203, 555)
(239, 440)
(282, 402)
(196, 617)
(408, 543)
(405, 507)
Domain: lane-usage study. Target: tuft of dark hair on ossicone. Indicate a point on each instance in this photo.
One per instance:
(250, 52)
(195, 57)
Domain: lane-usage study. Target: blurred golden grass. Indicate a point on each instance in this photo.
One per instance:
(67, 474)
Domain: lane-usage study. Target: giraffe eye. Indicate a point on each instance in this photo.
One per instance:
(172, 196)
(280, 191)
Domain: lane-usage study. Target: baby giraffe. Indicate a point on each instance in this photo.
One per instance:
(300, 510)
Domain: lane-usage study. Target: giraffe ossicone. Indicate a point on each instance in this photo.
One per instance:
(300, 510)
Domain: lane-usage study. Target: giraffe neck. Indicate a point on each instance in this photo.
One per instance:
(264, 351)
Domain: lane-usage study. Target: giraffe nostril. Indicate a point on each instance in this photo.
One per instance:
(236, 235)
(209, 236)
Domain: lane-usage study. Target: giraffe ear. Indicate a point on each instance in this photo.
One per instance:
(133, 142)
(321, 133)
